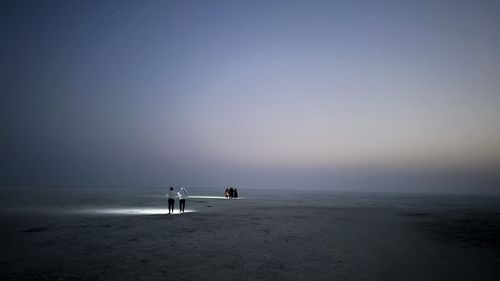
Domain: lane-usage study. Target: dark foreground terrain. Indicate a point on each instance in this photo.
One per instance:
(250, 242)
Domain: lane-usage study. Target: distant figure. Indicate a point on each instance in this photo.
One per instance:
(183, 196)
(235, 193)
(231, 192)
(171, 200)
(226, 193)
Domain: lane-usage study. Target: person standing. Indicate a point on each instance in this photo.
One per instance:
(183, 196)
(171, 200)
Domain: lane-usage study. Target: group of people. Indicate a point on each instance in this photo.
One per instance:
(182, 194)
(231, 193)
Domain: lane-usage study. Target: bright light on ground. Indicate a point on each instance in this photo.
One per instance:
(208, 197)
(131, 211)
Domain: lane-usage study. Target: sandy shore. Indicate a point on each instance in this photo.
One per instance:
(231, 241)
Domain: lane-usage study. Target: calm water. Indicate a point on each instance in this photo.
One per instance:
(74, 200)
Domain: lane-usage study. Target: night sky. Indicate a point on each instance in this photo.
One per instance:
(340, 95)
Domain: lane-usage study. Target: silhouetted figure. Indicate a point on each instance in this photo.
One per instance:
(171, 200)
(183, 196)
(235, 193)
(231, 192)
(226, 193)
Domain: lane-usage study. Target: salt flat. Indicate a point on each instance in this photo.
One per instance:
(249, 239)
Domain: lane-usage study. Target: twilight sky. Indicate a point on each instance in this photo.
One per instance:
(351, 95)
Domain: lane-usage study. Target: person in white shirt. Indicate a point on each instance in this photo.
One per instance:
(171, 200)
(183, 196)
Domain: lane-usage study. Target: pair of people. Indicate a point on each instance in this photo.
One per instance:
(182, 194)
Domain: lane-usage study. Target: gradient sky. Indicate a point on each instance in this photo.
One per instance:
(351, 95)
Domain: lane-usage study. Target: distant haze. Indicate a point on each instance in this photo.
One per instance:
(340, 95)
